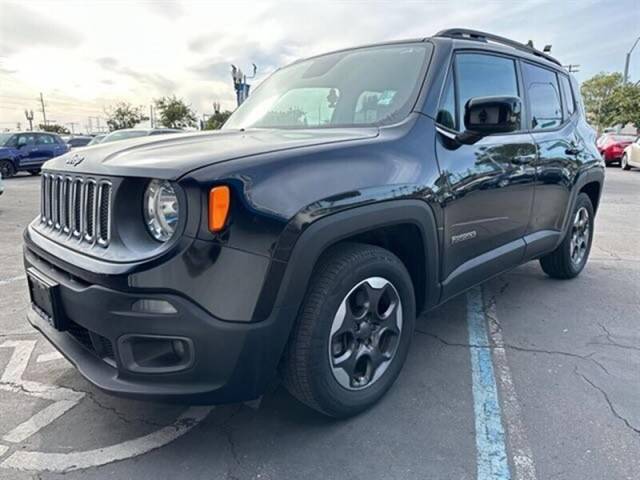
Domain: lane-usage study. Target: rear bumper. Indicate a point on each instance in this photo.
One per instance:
(232, 361)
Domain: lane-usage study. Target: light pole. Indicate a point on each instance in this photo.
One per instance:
(627, 60)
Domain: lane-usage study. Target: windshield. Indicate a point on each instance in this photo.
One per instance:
(112, 137)
(4, 138)
(367, 86)
(97, 139)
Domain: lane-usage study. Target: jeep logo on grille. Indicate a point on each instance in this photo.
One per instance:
(74, 160)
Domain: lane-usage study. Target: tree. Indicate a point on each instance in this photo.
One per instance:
(215, 121)
(175, 113)
(54, 128)
(626, 104)
(597, 93)
(124, 115)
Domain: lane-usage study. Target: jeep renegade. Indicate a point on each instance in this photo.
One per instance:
(350, 193)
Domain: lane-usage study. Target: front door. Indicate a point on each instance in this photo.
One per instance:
(489, 185)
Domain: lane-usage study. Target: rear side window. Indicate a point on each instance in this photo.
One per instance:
(544, 97)
(44, 140)
(568, 102)
(481, 75)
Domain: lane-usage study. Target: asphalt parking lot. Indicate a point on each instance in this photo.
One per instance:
(565, 355)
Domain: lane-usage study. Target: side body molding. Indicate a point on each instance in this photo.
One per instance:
(302, 244)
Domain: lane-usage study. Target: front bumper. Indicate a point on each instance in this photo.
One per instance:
(232, 361)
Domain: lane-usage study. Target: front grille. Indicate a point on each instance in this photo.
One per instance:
(78, 207)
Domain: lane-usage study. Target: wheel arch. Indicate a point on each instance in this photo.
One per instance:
(297, 253)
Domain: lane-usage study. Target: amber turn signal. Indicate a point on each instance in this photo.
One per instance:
(219, 201)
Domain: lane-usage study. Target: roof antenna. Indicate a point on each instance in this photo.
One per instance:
(530, 44)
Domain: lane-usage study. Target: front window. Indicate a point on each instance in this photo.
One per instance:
(4, 138)
(366, 86)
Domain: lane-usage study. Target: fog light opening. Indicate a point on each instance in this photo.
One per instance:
(155, 353)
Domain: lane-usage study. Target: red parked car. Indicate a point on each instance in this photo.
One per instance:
(612, 145)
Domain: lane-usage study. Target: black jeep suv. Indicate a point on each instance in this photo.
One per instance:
(351, 192)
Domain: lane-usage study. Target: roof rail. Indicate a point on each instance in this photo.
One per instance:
(467, 34)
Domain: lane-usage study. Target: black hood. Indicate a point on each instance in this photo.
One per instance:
(171, 156)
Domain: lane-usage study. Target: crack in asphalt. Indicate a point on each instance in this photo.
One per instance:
(517, 348)
(92, 397)
(227, 431)
(121, 415)
(611, 342)
(608, 400)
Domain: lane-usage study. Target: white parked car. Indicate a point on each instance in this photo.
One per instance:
(631, 155)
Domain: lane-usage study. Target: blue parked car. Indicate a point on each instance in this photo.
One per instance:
(26, 152)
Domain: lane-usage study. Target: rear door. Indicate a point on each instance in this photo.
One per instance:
(553, 126)
(489, 184)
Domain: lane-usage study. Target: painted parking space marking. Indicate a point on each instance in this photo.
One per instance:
(491, 374)
(493, 463)
(11, 280)
(49, 357)
(517, 439)
(64, 399)
(64, 462)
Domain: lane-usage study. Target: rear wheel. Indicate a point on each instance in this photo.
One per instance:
(624, 163)
(354, 330)
(7, 169)
(568, 260)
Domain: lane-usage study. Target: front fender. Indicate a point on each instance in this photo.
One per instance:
(302, 243)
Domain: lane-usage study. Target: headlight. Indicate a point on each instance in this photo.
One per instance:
(161, 210)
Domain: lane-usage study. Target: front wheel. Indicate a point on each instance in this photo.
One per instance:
(624, 163)
(568, 260)
(35, 172)
(7, 169)
(353, 332)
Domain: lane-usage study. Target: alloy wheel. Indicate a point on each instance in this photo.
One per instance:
(365, 333)
(580, 236)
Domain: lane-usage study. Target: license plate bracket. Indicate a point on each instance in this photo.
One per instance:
(45, 297)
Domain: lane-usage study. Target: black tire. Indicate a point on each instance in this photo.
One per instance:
(559, 263)
(35, 172)
(307, 370)
(7, 169)
(624, 163)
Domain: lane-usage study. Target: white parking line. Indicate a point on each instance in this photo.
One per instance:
(488, 355)
(49, 357)
(39, 420)
(516, 434)
(64, 400)
(63, 462)
(11, 280)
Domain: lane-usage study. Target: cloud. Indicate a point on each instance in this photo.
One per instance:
(138, 50)
(22, 28)
(163, 84)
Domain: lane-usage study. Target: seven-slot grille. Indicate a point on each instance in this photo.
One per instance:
(77, 207)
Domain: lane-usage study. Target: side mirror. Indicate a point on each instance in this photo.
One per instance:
(485, 116)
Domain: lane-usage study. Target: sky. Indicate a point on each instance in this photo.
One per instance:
(86, 55)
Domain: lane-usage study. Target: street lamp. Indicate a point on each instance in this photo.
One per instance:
(627, 60)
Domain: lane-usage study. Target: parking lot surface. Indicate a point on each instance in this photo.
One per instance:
(564, 357)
